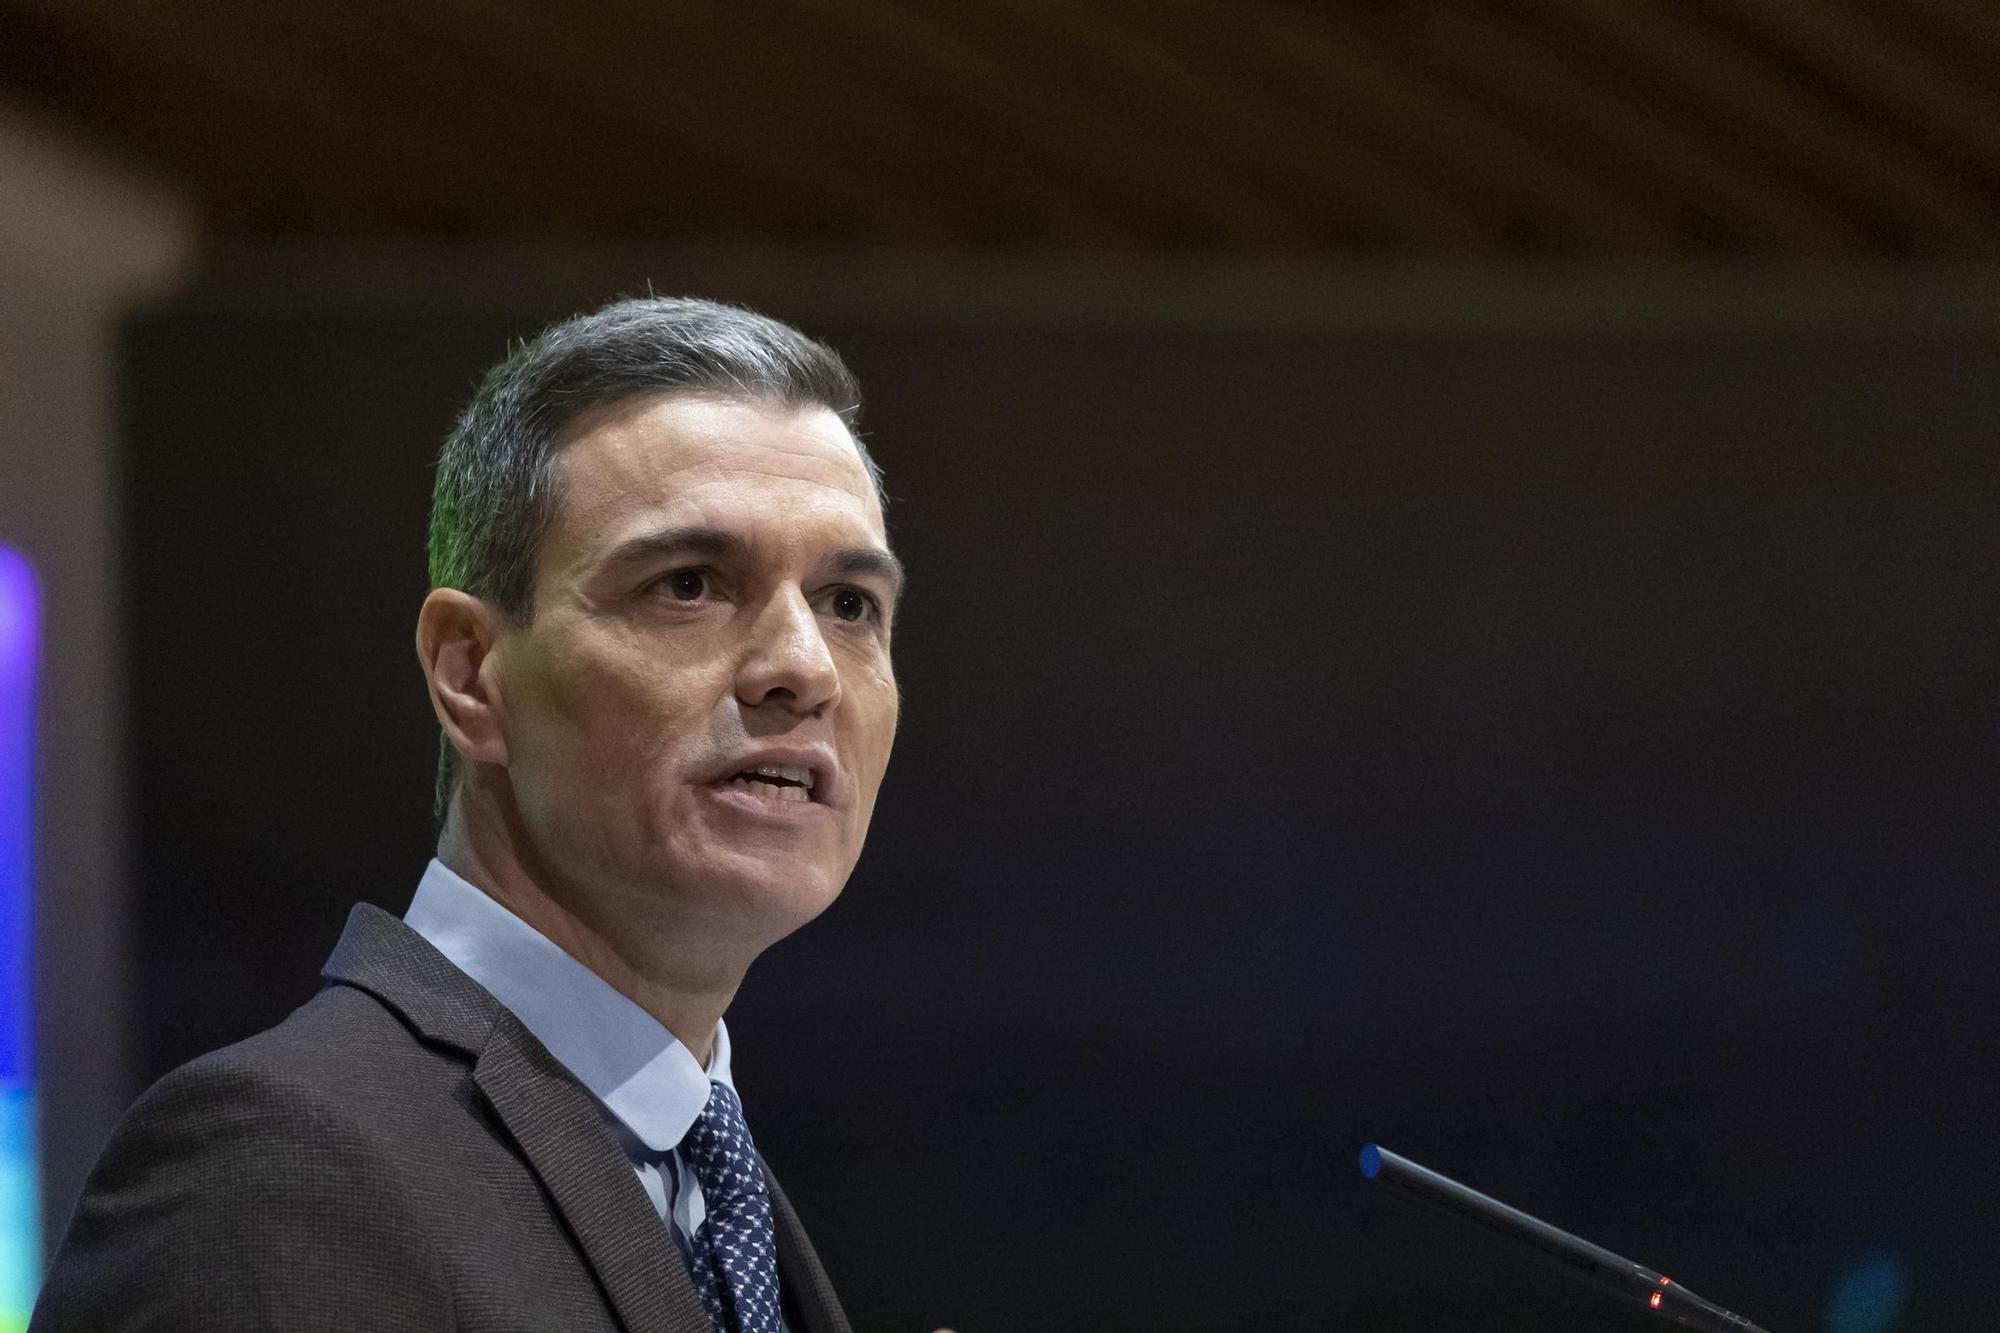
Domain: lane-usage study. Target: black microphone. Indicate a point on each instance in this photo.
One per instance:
(1579, 1258)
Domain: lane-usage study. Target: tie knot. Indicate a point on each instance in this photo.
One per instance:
(719, 1150)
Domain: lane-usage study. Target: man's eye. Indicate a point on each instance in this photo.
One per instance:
(685, 585)
(851, 605)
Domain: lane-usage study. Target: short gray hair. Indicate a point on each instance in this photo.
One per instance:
(498, 483)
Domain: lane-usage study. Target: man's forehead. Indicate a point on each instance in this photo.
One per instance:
(689, 457)
(653, 438)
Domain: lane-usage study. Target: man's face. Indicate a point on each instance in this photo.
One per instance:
(699, 715)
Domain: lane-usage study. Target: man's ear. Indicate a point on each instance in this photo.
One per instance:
(456, 634)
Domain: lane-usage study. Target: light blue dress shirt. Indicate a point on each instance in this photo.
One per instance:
(650, 1086)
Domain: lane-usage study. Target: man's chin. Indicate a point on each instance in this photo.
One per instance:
(776, 895)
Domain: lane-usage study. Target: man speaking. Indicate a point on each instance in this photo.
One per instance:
(658, 647)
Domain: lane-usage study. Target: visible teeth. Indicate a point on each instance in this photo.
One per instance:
(790, 772)
(770, 790)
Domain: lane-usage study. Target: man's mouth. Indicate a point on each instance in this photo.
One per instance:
(778, 782)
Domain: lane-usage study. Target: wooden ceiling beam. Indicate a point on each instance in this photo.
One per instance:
(619, 176)
(378, 154)
(1638, 126)
(1262, 150)
(1150, 184)
(820, 97)
(1968, 29)
(673, 119)
(1348, 77)
(393, 57)
(122, 97)
(1869, 57)
(1687, 61)
(1581, 113)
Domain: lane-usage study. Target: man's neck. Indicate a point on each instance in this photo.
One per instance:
(686, 991)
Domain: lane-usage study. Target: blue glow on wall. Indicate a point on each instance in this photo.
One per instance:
(20, 1173)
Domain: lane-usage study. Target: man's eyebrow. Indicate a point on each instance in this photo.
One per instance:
(850, 562)
(691, 540)
(867, 562)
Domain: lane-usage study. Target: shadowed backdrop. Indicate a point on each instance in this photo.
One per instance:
(1452, 553)
(1561, 749)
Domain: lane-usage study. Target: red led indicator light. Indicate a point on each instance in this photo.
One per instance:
(1654, 1301)
(1666, 1281)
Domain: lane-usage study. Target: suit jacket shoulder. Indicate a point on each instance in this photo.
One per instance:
(399, 1153)
(256, 1188)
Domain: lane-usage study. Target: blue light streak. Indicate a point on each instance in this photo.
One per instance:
(20, 1174)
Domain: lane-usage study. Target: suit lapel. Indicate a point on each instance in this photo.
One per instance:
(800, 1270)
(553, 1118)
(558, 1126)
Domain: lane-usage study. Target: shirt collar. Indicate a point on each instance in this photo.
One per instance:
(651, 1083)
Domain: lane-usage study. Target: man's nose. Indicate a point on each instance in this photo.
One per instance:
(788, 662)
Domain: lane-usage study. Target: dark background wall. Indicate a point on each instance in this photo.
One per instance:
(1563, 751)
(1531, 708)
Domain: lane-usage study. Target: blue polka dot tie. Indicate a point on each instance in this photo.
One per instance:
(735, 1260)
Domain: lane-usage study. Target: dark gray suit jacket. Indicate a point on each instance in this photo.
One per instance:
(398, 1154)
